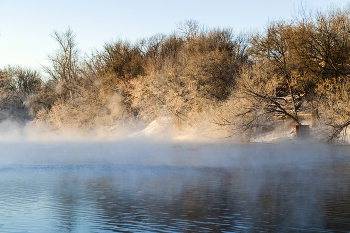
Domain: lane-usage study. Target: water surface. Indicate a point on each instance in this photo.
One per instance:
(159, 187)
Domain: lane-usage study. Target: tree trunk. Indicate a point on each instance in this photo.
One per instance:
(293, 102)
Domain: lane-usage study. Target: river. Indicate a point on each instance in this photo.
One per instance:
(140, 186)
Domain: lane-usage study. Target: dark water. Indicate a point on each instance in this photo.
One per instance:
(128, 187)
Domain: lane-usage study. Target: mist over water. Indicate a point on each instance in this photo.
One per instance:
(141, 185)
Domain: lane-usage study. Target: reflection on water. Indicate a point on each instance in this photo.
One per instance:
(261, 188)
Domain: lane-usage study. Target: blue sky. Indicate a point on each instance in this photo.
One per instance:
(26, 26)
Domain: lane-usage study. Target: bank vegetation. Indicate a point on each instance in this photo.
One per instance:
(213, 81)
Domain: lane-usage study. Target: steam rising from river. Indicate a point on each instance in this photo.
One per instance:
(147, 152)
(156, 144)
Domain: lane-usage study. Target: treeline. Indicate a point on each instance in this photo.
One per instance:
(211, 80)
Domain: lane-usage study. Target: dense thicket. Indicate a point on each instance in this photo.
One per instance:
(18, 86)
(294, 72)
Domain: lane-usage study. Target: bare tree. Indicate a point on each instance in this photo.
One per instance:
(64, 67)
(17, 87)
(191, 29)
(274, 50)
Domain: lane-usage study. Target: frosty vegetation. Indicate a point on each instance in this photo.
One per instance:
(210, 81)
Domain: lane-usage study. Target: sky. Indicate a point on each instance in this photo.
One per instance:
(26, 26)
